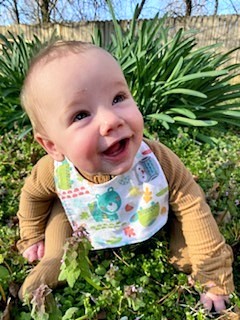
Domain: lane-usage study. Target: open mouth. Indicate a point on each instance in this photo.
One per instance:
(116, 148)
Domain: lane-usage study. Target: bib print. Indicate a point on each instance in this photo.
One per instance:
(128, 209)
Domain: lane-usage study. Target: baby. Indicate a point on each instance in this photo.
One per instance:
(121, 187)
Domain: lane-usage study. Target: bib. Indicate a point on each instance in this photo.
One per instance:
(128, 209)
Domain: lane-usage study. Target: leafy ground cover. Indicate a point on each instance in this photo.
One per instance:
(125, 284)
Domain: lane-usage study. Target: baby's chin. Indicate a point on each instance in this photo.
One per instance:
(121, 170)
(110, 169)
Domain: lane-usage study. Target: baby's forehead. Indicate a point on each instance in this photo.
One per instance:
(59, 59)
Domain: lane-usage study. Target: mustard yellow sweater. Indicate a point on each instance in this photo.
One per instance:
(210, 256)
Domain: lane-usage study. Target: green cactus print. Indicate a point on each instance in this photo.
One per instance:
(63, 176)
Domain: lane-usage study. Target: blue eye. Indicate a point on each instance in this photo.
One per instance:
(81, 115)
(118, 98)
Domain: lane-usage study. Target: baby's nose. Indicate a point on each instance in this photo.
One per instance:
(110, 122)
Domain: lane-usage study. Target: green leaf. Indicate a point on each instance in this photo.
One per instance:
(176, 70)
(161, 117)
(72, 277)
(69, 313)
(196, 123)
(188, 92)
(231, 113)
(25, 316)
(4, 273)
(92, 283)
(183, 111)
(200, 75)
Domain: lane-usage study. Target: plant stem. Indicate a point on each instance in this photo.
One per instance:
(3, 293)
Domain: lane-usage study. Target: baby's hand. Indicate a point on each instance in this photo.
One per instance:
(210, 300)
(35, 252)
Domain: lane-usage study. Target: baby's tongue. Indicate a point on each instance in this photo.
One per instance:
(113, 149)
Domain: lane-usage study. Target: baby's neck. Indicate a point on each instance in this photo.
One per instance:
(97, 179)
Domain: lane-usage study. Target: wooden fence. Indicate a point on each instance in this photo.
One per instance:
(224, 29)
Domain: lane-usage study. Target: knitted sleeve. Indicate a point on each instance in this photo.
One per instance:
(211, 258)
(36, 199)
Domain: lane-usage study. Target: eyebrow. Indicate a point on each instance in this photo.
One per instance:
(77, 95)
(122, 82)
(69, 107)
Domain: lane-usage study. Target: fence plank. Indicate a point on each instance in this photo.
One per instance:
(223, 29)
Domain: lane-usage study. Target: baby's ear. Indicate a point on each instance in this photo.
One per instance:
(49, 146)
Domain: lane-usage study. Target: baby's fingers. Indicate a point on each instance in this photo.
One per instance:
(40, 250)
(220, 305)
(30, 254)
(210, 300)
(206, 302)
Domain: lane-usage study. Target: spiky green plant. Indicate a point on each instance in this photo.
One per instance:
(173, 82)
(15, 54)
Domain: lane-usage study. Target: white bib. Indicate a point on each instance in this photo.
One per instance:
(128, 209)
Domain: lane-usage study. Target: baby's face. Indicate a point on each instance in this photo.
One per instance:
(89, 114)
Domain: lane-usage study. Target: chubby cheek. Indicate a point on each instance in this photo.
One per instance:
(137, 123)
(83, 153)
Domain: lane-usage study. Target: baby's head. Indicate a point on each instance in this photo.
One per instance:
(81, 108)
